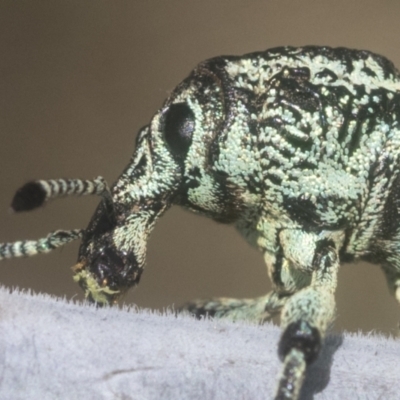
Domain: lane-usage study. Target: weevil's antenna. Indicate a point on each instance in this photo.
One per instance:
(36, 193)
(27, 248)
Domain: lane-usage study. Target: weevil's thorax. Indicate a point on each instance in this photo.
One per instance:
(301, 137)
(322, 136)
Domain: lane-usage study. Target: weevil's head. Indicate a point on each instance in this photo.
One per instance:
(188, 155)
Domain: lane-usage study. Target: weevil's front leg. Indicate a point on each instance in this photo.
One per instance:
(305, 319)
(259, 309)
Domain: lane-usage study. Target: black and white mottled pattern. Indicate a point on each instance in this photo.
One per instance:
(298, 147)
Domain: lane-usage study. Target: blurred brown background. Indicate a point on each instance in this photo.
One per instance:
(79, 78)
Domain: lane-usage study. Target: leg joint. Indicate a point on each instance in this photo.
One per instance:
(325, 254)
(302, 336)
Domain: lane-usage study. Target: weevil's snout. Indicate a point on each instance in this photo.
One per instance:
(106, 275)
(116, 270)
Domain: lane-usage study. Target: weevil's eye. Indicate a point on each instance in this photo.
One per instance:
(178, 128)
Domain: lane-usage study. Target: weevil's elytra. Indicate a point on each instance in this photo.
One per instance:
(298, 147)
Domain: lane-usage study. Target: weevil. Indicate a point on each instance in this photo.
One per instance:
(298, 147)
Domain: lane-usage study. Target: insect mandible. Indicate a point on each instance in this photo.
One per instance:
(298, 147)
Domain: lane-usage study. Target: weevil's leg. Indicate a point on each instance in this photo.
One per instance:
(258, 309)
(34, 194)
(305, 318)
(27, 248)
(393, 280)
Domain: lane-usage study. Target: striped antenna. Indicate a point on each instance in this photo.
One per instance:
(27, 248)
(34, 194)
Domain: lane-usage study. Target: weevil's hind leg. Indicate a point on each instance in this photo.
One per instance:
(305, 318)
(27, 248)
(35, 194)
(258, 309)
